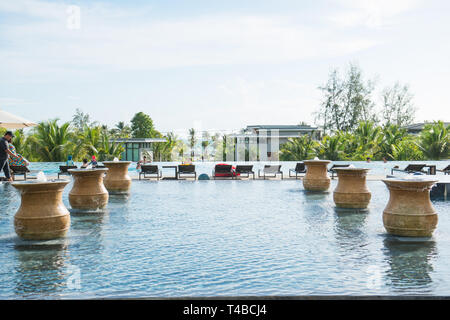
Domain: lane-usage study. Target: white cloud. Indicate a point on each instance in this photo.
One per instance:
(134, 42)
(371, 13)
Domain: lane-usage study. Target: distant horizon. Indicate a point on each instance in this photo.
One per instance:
(215, 66)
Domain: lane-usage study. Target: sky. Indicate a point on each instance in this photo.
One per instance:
(215, 65)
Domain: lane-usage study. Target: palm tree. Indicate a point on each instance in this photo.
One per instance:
(122, 130)
(107, 149)
(434, 141)
(392, 135)
(367, 136)
(192, 141)
(331, 147)
(406, 150)
(298, 149)
(51, 142)
(205, 143)
(88, 142)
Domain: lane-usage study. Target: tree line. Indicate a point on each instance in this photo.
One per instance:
(355, 127)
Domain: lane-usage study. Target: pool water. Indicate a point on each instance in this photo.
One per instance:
(376, 167)
(223, 238)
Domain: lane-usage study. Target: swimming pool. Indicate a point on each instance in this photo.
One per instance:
(376, 167)
(223, 238)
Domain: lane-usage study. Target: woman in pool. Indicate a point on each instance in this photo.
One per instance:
(93, 162)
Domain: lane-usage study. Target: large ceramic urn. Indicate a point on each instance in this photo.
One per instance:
(409, 211)
(351, 190)
(42, 214)
(117, 180)
(316, 178)
(88, 192)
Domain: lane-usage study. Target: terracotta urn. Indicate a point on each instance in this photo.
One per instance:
(316, 178)
(409, 211)
(117, 180)
(351, 190)
(88, 192)
(42, 214)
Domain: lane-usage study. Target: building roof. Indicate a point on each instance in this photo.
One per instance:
(138, 140)
(419, 126)
(282, 127)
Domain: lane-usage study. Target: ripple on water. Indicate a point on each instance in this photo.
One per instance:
(220, 238)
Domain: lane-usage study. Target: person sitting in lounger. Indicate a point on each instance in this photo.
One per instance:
(16, 159)
(141, 162)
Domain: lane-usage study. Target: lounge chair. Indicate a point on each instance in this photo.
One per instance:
(63, 170)
(334, 166)
(19, 170)
(299, 168)
(245, 169)
(152, 170)
(186, 169)
(446, 170)
(223, 171)
(411, 168)
(270, 171)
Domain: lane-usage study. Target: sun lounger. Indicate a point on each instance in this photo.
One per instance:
(411, 168)
(188, 170)
(19, 170)
(270, 171)
(223, 171)
(334, 166)
(299, 168)
(151, 170)
(246, 170)
(63, 170)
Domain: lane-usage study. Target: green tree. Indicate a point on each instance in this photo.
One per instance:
(51, 142)
(192, 142)
(406, 150)
(367, 136)
(346, 101)
(331, 147)
(205, 143)
(397, 108)
(301, 148)
(392, 135)
(81, 120)
(434, 141)
(142, 126)
(121, 130)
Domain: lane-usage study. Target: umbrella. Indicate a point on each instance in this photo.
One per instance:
(10, 121)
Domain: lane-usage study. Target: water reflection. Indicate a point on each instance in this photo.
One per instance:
(410, 262)
(40, 266)
(120, 198)
(350, 234)
(87, 229)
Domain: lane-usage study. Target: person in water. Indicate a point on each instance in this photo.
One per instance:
(69, 161)
(93, 162)
(85, 163)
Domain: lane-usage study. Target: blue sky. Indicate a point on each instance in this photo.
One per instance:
(215, 65)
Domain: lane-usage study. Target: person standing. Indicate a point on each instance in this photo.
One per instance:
(5, 153)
